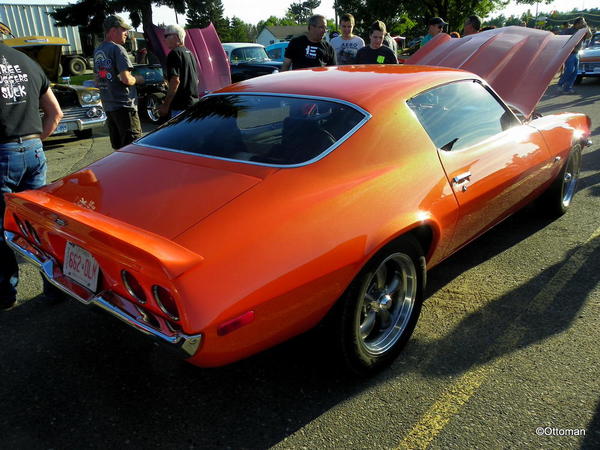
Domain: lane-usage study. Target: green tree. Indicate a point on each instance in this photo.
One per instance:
(300, 12)
(239, 31)
(89, 14)
(200, 13)
(396, 12)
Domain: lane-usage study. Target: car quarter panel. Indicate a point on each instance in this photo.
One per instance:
(289, 247)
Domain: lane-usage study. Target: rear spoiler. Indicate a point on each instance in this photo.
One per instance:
(130, 243)
(204, 43)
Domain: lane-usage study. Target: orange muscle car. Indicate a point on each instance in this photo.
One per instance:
(283, 199)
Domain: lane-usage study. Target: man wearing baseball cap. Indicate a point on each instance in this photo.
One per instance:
(435, 27)
(117, 85)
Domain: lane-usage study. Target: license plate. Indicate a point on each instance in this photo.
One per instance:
(61, 128)
(80, 266)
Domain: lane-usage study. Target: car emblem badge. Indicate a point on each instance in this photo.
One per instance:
(60, 222)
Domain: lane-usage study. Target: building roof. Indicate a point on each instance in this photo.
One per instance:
(287, 31)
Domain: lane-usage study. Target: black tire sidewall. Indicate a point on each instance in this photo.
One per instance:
(352, 351)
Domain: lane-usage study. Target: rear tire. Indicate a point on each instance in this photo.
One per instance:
(578, 79)
(378, 312)
(557, 199)
(77, 66)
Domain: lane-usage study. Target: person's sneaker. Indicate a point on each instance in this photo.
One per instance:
(7, 303)
(569, 91)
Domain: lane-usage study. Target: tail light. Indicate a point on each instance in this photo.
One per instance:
(33, 233)
(165, 301)
(133, 286)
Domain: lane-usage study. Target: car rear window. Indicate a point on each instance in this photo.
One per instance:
(261, 129)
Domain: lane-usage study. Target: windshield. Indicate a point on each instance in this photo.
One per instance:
(262, 129)
(247, 54)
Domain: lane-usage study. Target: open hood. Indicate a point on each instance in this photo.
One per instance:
(517, 62)
(45, 50)
(204, 43)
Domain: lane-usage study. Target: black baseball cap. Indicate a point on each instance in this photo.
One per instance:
(437, 21)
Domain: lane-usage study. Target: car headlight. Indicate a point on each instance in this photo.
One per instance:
(86, 97)
(95, 96)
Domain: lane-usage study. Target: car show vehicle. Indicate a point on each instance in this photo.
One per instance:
(249, 60)
(152, 92)
(589, 59)
(80, 105)
(276, 51)
(311, 196)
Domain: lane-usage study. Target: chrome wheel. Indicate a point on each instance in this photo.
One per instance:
(386, 304)
(152, 104)
(570, 176)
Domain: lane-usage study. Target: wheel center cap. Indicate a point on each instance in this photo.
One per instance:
(385, 302)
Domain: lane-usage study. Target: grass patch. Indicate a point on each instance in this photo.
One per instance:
(79, 79)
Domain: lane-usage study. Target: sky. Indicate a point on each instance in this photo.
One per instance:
(253, 11)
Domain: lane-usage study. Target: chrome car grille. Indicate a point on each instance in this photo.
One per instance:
(81, 113)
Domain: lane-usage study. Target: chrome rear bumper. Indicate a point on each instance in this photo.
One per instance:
(121, 308)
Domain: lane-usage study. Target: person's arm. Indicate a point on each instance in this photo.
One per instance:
(286, 64)
(52, 113)
(128, 79)
(174, 81)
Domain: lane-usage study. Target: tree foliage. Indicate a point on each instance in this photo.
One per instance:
(300, 12)
(200, 13)
(396, 14)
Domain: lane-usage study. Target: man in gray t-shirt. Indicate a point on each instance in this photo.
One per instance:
(117, 85)
(347, 44)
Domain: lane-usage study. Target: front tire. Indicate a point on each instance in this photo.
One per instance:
(380, 308)
(557, 199)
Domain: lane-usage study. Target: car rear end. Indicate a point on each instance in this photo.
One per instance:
(98, 260)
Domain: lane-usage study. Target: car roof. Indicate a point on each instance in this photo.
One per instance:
(233, 45)
(367, 86)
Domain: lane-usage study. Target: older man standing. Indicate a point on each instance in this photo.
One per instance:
(117, 85)
(22, 160)
(182, 74)
(310, 50)
(472, 25)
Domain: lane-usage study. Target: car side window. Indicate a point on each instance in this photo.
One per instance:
(274, 53)
(461, 114)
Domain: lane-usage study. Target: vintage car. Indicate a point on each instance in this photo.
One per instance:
(589, 59)
(247, 60)
(80, 104)
(152, 92)
(313, 195)
(276, 51)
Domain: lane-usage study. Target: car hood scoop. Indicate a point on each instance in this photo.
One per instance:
(518, 62)
(165, 195)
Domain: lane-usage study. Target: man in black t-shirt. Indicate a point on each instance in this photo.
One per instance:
(24, 90)
(310, 50)
(182, 74)
(376, 52)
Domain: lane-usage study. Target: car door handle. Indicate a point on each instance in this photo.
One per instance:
(461, 178)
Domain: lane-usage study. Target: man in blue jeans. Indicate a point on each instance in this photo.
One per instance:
(569, 75)
(24, 90)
